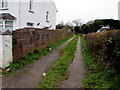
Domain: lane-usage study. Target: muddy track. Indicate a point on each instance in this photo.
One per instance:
(77, 71)
(30, 75)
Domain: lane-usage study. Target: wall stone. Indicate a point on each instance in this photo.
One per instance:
(28, 39)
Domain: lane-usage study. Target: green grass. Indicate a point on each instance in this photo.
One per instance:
(99, 76)
(32, 57)
(58, 72)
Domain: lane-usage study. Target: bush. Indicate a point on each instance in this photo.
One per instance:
(105, 47)
(98, 76)
(98, 23)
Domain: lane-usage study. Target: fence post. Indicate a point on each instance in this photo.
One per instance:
(5, 49)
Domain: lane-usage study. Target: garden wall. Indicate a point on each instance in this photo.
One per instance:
(28, 39)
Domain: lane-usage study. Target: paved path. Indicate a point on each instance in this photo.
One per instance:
(30, 75)
(76, 71)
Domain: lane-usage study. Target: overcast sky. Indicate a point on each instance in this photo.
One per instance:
(86, 10)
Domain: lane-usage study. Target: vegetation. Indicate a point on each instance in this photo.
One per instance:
(61, 25)
(94, 26)
(58, 71)
(32, 57)
(105, 47)
(101, 56)
(91, 26)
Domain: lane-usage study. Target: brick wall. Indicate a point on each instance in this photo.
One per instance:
(28, 39)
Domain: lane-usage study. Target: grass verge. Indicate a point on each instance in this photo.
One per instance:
(99, 76)
(32, 57)
(58, 72)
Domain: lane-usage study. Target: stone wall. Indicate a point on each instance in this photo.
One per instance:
(28, 39)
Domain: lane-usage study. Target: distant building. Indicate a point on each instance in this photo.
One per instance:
(15, 14)
(104, 28)
(119, 10)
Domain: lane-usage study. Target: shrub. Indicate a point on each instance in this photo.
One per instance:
(105, 47)
(98, 76)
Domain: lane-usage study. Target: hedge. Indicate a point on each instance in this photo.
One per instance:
(105, 47)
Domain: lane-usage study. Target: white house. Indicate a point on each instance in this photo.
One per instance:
(119, 10)
(15, 14)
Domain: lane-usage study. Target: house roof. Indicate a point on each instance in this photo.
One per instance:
(6, 15)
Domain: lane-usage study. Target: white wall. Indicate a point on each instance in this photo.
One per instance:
(21, 11)
(13, 9)
(1, 50)
(119, 10)
(39, 15)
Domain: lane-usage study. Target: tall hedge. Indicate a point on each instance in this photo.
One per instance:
(105, 47)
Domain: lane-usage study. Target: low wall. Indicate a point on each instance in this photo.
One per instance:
(28, 39)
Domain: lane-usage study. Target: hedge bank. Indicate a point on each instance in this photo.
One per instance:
(105, 47)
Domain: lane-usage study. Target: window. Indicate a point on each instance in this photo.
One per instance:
(30, 24)
(47, 16)
(8, 25)
(31, 5)
(4, 4)
(1, 24)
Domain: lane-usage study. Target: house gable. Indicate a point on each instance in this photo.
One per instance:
(40, 13)
(119, 10)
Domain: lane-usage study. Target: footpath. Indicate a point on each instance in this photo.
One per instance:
(77, 70)
(30, 75)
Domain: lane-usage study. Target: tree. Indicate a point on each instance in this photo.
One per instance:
(85, 28)
(77, 29)
(60, 25)
(69, 24)
(94, 26)
(90, 22)
(77, 22)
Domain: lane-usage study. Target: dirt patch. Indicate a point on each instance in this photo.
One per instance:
(30, 75)
(77, 71)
